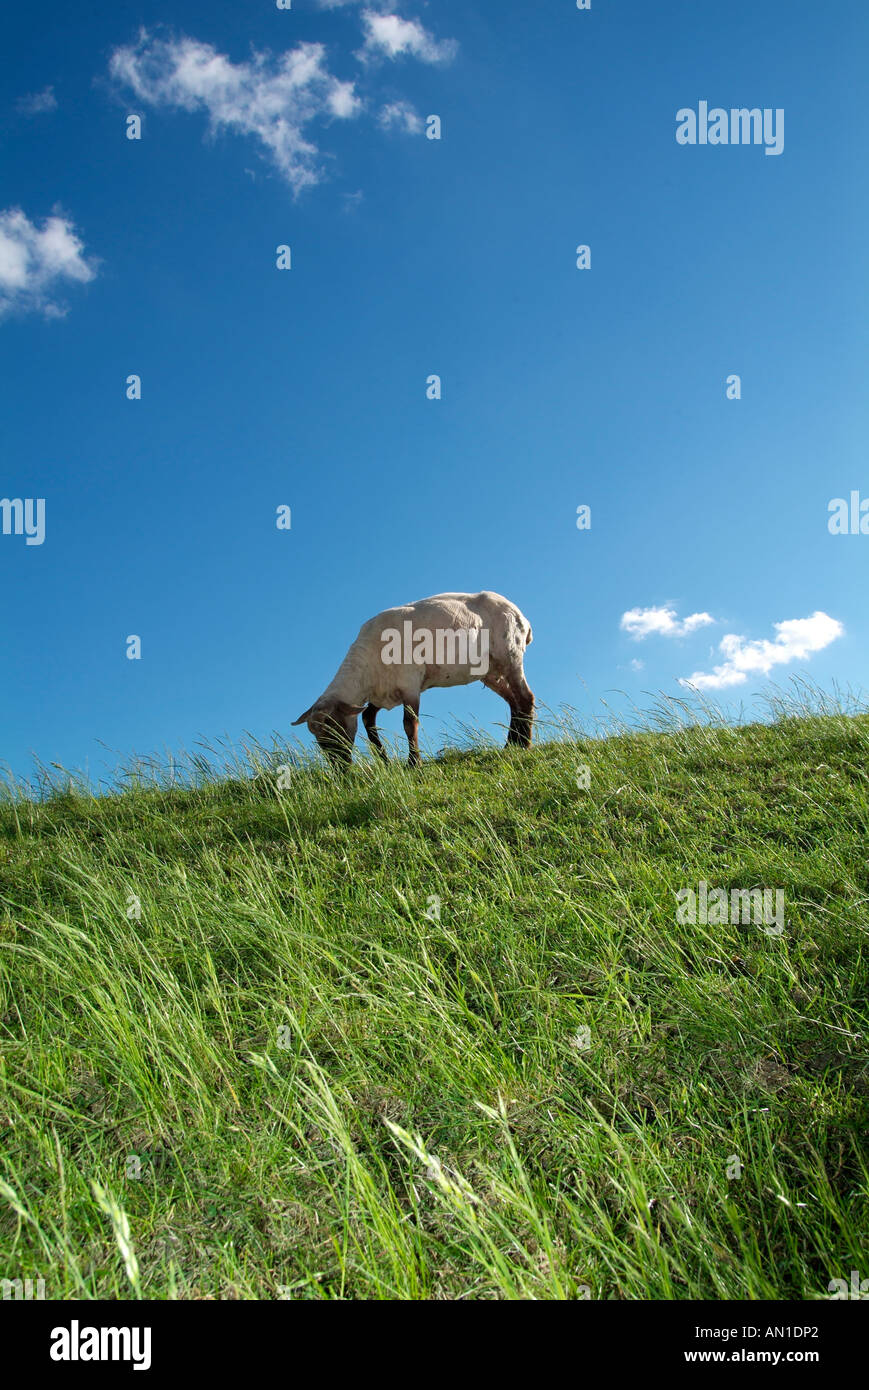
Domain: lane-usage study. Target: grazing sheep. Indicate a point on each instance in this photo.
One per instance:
(449, 639)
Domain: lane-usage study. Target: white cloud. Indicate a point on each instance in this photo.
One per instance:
(35, 263)
(343, 101)
(663, 622)
(637, 665)
(273, 98)
(401, 114)
(796, 639)
(37, 102)
(393, 36)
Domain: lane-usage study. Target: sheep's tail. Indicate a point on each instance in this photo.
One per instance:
(529, 637)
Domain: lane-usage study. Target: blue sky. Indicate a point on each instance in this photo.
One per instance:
(410, 256)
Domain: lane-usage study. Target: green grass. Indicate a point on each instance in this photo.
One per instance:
(327, 1093)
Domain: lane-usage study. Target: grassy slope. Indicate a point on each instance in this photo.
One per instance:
(333, 1096)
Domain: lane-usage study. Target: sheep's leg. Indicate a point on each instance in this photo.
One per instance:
(521, 703)
(495, 681)
(411, 728)
(369, 722)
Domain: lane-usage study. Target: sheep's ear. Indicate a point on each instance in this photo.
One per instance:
(302, 719)
(343, 708)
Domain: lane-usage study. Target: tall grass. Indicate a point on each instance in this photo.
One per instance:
(439, 1034)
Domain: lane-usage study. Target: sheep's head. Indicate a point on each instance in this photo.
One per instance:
(333, 724)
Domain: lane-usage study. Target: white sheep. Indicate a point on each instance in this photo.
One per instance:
(449, 639)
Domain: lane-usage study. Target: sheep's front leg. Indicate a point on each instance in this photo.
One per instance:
(369, 722)
(411, 728)
(521, 703)
(521, 713)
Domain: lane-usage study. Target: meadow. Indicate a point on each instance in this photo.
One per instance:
(438, 1034)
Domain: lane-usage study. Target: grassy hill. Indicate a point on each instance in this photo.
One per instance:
(285, 1079)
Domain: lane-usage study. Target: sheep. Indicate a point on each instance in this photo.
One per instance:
(445, 640)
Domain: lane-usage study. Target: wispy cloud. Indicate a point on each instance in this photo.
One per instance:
(662, 622)
(272, 98)
(393, 37)
(400, 114)
(37, 103)
(36, 263)
(796, 639)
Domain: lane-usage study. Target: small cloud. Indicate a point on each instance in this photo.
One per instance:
(342, 100)
(637, 665)
(796, 639)
(36, 262)
(663, 622)
(272, 98)
(400, 114)
(37, 103)
(392, 36)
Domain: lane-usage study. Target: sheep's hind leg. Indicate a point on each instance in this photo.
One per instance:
(369, 722)
(411, 728)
